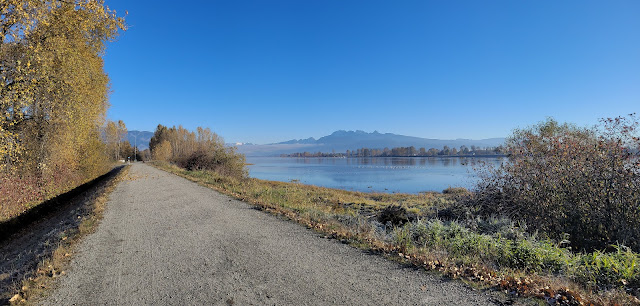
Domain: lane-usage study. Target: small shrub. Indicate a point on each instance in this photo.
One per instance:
(456, 190)
(498, 226)
(563, 179)
(396, 215)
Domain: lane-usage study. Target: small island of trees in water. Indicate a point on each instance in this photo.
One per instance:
(463, 151)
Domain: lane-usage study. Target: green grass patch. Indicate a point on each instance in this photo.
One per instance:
(495, 251)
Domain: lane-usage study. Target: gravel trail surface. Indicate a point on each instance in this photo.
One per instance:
(167, 241)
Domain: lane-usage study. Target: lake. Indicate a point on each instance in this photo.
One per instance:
(369, 174)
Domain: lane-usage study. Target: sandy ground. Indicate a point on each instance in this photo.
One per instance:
(167, 241)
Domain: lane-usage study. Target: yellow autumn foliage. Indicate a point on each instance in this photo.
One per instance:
(53, 90)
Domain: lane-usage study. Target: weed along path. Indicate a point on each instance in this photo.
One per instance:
(166, 240)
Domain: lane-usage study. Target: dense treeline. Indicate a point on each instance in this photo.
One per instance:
(199, 150)
(53, 96)
(407, 152)
(565, 182)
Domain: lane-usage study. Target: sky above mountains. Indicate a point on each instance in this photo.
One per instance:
(268, 71)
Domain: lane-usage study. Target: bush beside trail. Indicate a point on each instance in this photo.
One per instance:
(563, 180)
(195, 151)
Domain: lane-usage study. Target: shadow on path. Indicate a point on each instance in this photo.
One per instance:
(32, 236)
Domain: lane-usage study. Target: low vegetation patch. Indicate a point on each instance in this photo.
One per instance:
(570, 183)
(488, 251)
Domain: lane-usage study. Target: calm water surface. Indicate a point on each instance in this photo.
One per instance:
(383, 174)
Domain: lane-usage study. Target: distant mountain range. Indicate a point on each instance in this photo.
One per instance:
(142, 138)
(340, 141)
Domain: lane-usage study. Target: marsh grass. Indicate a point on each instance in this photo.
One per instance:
(493, 252)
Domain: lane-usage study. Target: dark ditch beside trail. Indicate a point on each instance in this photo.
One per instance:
(32, 236)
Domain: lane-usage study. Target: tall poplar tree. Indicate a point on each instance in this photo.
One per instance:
(53, 88)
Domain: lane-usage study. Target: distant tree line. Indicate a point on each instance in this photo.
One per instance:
(408, 152)
(199, 150)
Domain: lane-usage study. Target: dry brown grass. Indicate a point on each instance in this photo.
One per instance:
(19, 193)
(39, 285)
(344, 215)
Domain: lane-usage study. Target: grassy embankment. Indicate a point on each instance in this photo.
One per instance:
(55, 263)
(18, 194)
(493, 253)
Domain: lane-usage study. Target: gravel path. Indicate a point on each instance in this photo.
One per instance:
(165, 240)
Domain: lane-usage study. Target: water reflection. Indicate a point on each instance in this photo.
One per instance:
(387, 174)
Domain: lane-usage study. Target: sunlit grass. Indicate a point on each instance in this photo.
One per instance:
(21, 193)
(495, 252)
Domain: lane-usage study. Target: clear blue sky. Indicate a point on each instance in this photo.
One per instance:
(268, 71)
